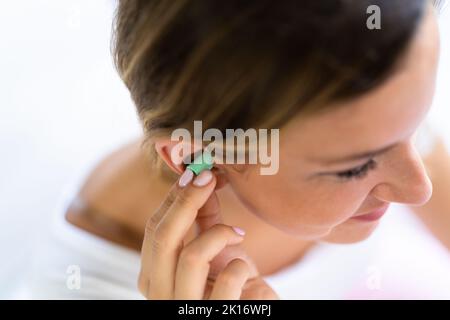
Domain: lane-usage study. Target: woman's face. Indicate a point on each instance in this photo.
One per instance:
(312, 195)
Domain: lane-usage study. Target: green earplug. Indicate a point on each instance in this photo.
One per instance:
(203, 162)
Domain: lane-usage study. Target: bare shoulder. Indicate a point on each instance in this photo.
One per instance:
(119, 195)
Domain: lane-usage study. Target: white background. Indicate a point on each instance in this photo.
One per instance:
(62, 106)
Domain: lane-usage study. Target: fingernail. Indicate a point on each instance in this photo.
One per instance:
(239, 231)
(203, 178)
(185, 178)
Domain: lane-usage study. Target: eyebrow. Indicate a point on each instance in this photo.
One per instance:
(357, 156)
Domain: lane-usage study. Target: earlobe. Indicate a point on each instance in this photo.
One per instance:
(221, 177)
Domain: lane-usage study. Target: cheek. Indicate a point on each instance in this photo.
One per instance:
(328, 203)
(301, 208)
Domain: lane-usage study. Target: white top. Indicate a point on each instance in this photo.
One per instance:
(399, 260)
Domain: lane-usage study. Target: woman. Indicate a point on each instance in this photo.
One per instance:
(348, 101)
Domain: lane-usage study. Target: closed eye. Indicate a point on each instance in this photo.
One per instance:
(358, 172)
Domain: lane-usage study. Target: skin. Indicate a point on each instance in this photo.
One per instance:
(304, 203)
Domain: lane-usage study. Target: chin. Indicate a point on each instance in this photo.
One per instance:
(351, 232)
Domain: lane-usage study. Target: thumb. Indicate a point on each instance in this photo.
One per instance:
(209, 214)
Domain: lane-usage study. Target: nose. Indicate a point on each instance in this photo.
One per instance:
(406, 180)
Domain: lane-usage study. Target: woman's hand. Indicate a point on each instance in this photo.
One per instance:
(211, 266)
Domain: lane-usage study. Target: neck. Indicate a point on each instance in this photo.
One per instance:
(270, 248)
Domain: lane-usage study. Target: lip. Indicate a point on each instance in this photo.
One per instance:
(372, 216)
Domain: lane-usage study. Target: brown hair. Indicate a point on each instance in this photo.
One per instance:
(252, 64)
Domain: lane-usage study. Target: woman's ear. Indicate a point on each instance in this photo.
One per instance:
(164, 148)
(170, 153)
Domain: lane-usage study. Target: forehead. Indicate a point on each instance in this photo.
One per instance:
(386, 115)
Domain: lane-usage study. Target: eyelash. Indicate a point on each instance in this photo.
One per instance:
(357, 173)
